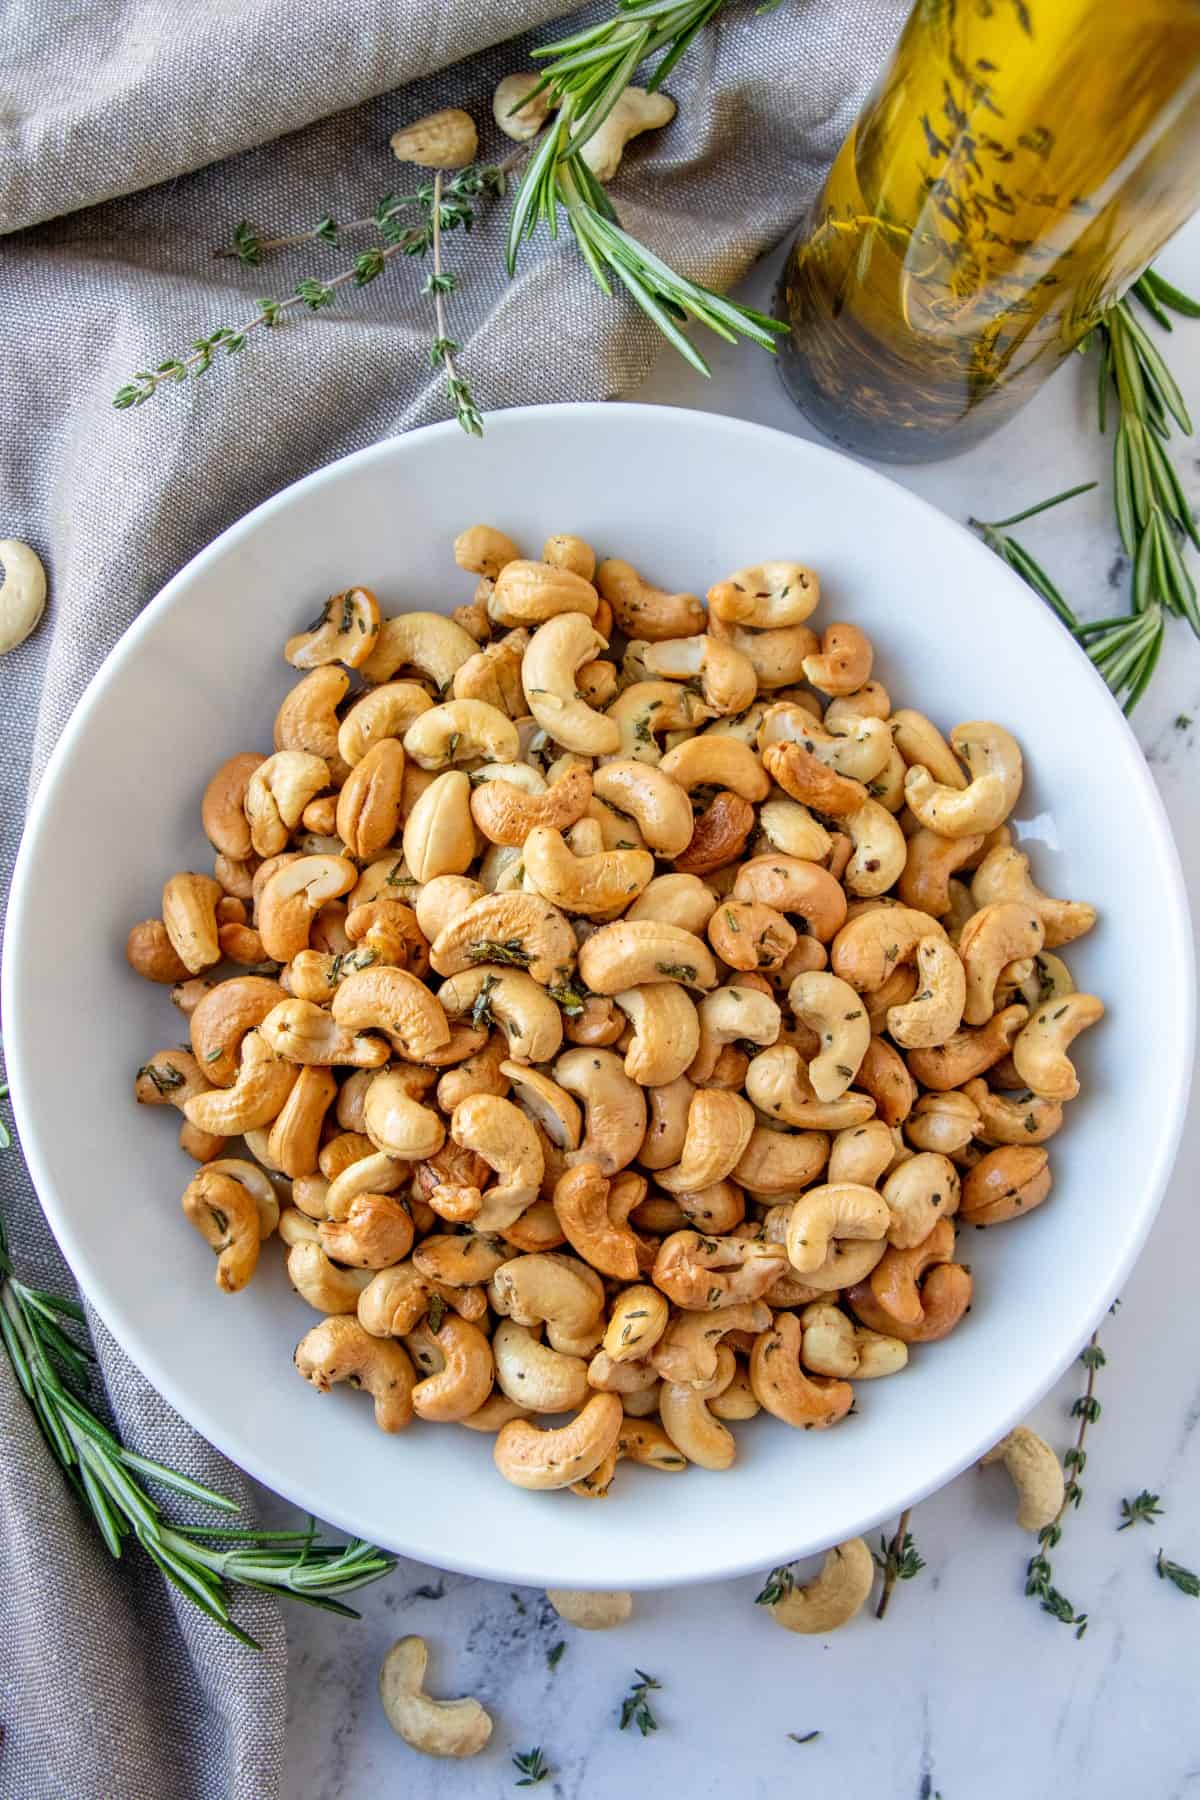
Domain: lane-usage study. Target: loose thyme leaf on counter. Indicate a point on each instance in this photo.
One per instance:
(1140, 1510)
(1184, 1580)
(635, 1709)
(532, 1766)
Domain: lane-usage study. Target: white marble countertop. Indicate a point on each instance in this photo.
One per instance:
(966, 1690)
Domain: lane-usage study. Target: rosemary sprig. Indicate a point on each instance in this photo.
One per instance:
(1184, 1579)
(898, 1560)
(1152, 513)
(1140, 1510)
(51, 1364)
(531, 1766)
(1039, 1575)
(442, 207)
(635, 1709)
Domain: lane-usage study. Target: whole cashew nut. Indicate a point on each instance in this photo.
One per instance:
(434, 1727)
(226, 1214)
(22, 593)
(635, 111)
(935, 1012)
(834, 1597)
(1039, 1051)
(842, 1209)
(994, 760)
(346, 631)
(1036, 1474)
(830, 1007)
(338, 1349)
(781, 1386)
(767, 596)
(530, 1457)
(592, 886)
(643, 611)
(501, 1134)
(557, 649)
(425, 641)
(1004, 875)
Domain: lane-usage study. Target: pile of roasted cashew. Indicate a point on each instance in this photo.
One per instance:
(618, 1040)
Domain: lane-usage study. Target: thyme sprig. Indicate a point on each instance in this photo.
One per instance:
(39, 1330)
(441, 207)
(635, 1709)
(1141, 1510)
(898, 1560)
(1039, 1575)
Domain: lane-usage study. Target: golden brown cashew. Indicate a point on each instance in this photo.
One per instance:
(434, 1727)
(896, 1301)
(643, 611)
(844, 662)
(879, 850)
(483, 550)
(968, 1053)
(922, 1190)
(256, 1098)
(994, 760)
(704, 1274)
(841, 1209)
(790, 885)
(589, 1609)
(345, 630)
(872, 945)
(614, 1107)
(1004, 875)
(458, 731)
(539, 1378)
(303, 1033)
(666, 1032)
(565, 551)
(790, 828)
(718, 761)
(805, 777)
(593, 886)
(506, 813)
(464, 1382)
(945, 1123)
(439, 836)
(511, 999)
(225, 1213)
(539, 1459)
(368, 806)
(718, 1131)
(647, 708)
(919, 741)
(778, 1085)
(399, 1125)
(556, 650)
(935, 1012)
(1039, 1051)
(727, 677)
(658, 804)
(834, 1345)
(384, 712)
(340, 1350)
(637, 1322)
(277, 793)
(395, 1003)
(687, 1354)
(189, 910)
(781, 1386)
(425, 641)
(529, 593)
(999, 934)
(831, 1008)
(834, 1597)
(693, 1429)
(1005, 1183)
(296, 1134)
(860, 748)
(581, 1202)
(519, 928)
(632, 953)
(1036, 1474)
(307, 720)
(493, 675)
(781, 1161)
(558, 1291)
(326, 1287)
(501, 1134)
(293, 896)
(172, 1078)
(1026, 1119)
(151, 954)
(221, 1019)
(767, 596)
(862, 1154)
(222, 811)
(375, 1233)
(925, 879)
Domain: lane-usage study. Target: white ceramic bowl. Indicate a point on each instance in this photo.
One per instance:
(686, 497)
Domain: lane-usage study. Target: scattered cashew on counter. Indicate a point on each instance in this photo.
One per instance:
(619, 1007)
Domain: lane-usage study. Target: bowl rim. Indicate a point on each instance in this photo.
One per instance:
(222, 1433)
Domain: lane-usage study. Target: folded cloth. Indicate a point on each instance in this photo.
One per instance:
(111, 1686)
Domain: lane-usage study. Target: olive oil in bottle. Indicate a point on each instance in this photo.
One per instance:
(1017, 165)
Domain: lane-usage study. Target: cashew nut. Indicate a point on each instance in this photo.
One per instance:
(1039, 1050)
(338, 1349)
(643, 611)
(441, 140)
(556, 650)
(1004, 875)
(589, 1609)
(994, 760)
(1036, 1474)
(834, 1597)
(434, 1727)
(530, 1457)
(635, 111)
(780, 1385)
(767, 596)
(23, 591)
